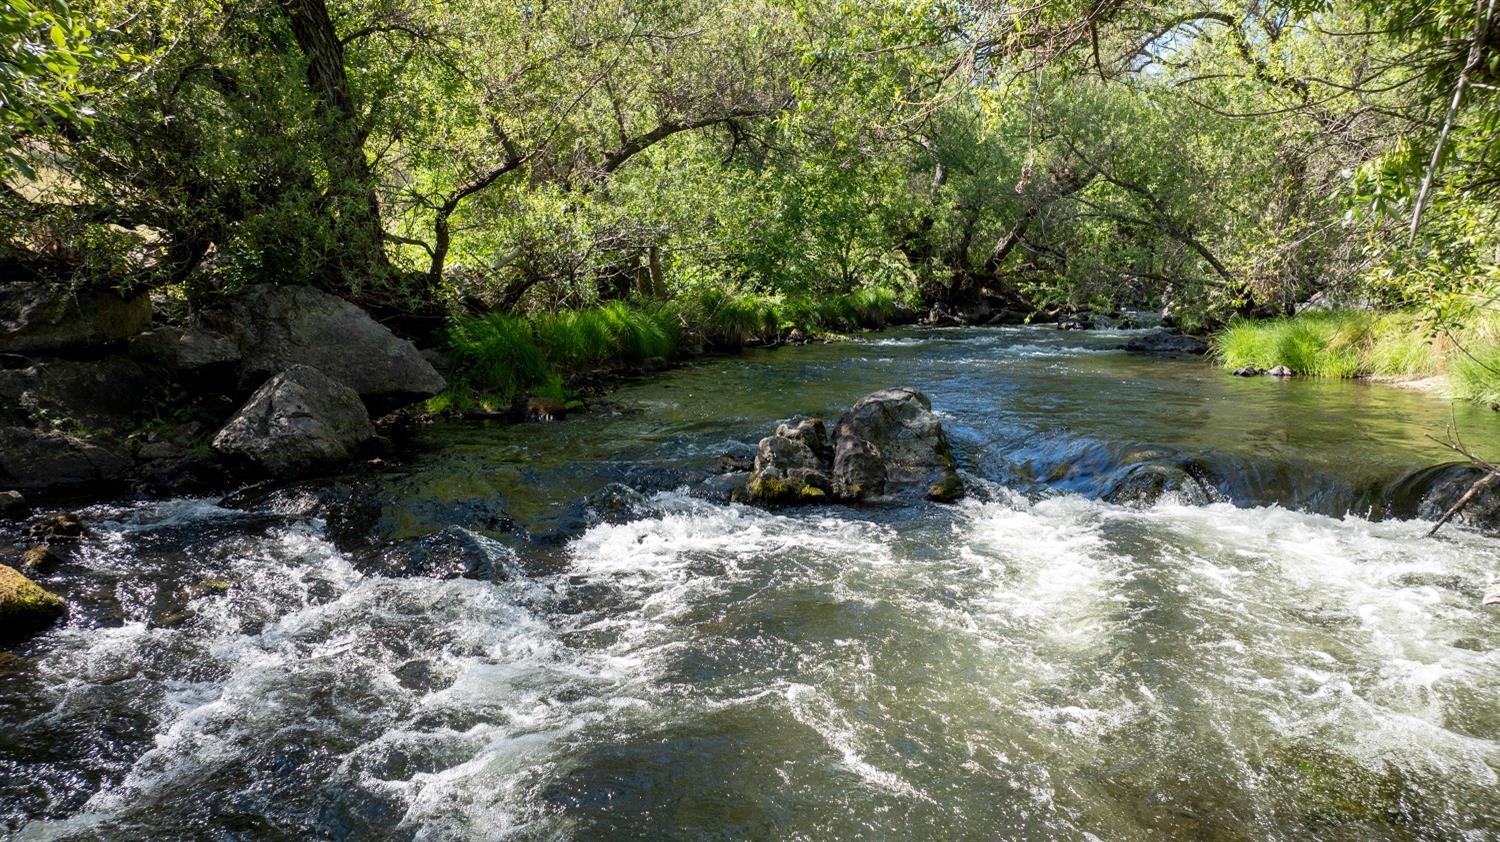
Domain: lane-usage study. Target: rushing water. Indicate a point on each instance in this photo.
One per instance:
(631, 656)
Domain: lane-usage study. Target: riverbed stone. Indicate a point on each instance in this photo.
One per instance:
(38, 559)
(1279, 371)
(1166, 342)
(25, 606)
(788, 471)
(36, 459)
(1247, 371)
(12, 504)
(38, 317)
(299, 419)
(896, 430)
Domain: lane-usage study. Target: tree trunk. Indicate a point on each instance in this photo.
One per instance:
(353, 204)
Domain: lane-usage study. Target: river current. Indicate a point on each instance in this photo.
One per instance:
(567, 631)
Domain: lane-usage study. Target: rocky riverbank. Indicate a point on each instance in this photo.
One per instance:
(99, 393)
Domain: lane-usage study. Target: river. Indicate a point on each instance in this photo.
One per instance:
(1275, 653)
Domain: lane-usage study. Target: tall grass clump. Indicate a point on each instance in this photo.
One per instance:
(1475, 358)
(494, 360)
(1332, 343)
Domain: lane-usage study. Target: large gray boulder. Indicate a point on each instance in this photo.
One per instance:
(276, 327)
(298, 420)
(33, 459)
(38, 318)
(101, 395)
(891, 443)
(790, 465)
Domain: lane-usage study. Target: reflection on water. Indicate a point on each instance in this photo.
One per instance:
(642, 661)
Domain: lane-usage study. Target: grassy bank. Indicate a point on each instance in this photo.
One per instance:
(1358, 343)
(499, 357)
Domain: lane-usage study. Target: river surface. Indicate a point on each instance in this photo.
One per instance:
(567, 631)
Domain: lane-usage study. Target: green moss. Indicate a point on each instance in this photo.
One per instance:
(949, 489)
(778, 490)
(1331, 789)
(25, 606)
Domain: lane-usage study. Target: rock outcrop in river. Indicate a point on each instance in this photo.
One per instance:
(888, 443)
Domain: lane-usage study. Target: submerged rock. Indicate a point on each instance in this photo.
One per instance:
(12, 504)
(1247, 371)
(895, 430)
(1148, 483)
(299, 419)
(1279, 371)
(46, 317)
(63, 527)
(25, 606)
(1166, 342)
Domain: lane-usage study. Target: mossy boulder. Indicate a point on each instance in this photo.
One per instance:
(39, 559)
(788, 470)
(890, 442)
(25, 606)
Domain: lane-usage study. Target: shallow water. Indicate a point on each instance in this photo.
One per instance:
(635, 658)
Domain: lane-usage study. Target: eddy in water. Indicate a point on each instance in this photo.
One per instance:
(1168, 604)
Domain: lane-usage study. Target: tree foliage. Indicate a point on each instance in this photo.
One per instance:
(432, 160)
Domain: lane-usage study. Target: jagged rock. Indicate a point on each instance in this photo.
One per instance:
(858, 472)
(297, 420)
(63, 527)
(811, 432)
(1079, 321)
(545, 409)
(1247, 371)
(1166, 342)
(12, 504)
(35, 459)
(277, 327)
(895, 430)
(786, 471)
(948, 315)
(44, 317)
(38, 559)
(25, 607)
(1279, 371)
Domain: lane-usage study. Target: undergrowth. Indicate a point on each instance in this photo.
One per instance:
(499, 357)
(1359, 343)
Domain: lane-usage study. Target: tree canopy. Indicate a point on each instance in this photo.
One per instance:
(434, 159)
